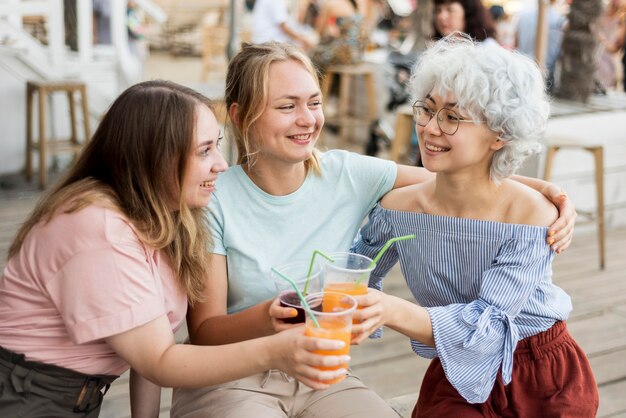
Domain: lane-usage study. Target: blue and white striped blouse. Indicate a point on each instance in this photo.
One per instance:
(486, 286)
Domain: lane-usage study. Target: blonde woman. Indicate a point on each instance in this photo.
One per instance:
(283, 200)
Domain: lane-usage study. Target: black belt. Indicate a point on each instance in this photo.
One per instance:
(70, 388)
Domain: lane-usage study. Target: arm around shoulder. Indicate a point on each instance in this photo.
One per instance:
(536, 209)
(408, 175)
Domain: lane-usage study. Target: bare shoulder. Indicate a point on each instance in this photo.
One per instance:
(409, 198)
(527, 206)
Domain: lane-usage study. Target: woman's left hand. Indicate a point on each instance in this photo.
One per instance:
(561, 231)
(278, 314)
(370, 315)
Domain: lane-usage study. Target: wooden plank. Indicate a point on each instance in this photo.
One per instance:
(606, 333)
(394, 376)
(609, 367)
(612, 400)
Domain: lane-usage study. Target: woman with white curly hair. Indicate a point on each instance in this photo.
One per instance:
(489, 315)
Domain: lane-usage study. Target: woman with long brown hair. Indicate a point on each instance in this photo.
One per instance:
(100, 274)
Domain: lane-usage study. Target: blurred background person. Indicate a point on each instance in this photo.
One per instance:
(308, 11)
(505, 27)
(341, 32)
(526, 34)
(270, 22)
(101, 22)
(610, 30)
(469, 16)
(135, 22)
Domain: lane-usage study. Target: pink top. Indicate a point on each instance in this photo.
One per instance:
(78, 279)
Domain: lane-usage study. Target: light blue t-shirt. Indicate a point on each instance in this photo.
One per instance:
(256, 230)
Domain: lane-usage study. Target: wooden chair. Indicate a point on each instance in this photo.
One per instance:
(555, 145)
(50, 146)
(347, 74)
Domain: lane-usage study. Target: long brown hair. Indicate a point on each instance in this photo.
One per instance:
(135, 160)
(247, 81)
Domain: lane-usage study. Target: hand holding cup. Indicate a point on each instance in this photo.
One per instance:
(370, 316)
(299, 356)
(281, 316)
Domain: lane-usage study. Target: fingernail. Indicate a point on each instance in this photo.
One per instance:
(550, 241)
(338, 344)
(551, 232)
(345, 359)
(294, 313)
(556, 249)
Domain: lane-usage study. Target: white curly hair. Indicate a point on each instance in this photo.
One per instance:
(504, 88)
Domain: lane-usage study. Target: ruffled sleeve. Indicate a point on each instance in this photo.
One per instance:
(371, 239)
(476, 340)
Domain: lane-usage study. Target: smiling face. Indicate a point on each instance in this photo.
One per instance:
(206, 160)
(471, 147)
(290, 125)
(449, 17)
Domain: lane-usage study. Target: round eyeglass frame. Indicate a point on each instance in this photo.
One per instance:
(420, 104)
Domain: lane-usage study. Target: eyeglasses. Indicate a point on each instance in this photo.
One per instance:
(447, 119)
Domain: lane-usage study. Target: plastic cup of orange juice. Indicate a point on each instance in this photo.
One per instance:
(349, 273)
(335, 323)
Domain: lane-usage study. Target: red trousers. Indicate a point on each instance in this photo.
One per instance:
(551, 378)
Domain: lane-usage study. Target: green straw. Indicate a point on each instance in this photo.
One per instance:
(308, 275)
(383, 251)
(302, 300)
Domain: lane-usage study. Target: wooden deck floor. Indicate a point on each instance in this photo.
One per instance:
(389, 366)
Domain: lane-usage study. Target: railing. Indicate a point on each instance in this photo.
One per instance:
(129, 68)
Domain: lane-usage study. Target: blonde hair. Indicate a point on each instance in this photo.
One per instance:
(146, 136)
(247, 81)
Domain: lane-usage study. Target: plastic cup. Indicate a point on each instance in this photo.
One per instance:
(349, 274)
(335, 323)
(297, 270)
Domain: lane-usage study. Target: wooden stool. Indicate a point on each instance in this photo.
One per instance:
(598, 155)
(45, 146)
(346, 74)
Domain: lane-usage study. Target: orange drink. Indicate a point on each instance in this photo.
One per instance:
(349, 288)
(352, 289)
(349, 273)
(335, 323)
(333, 330)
